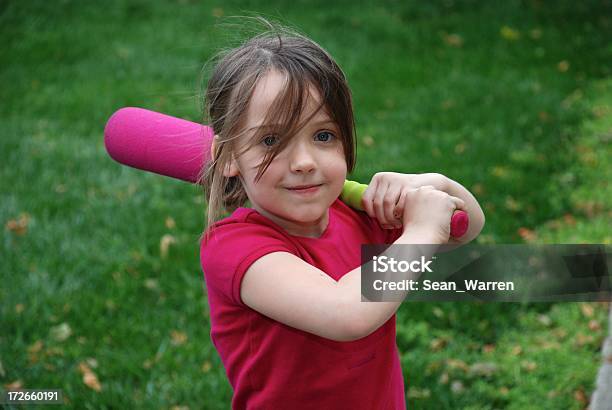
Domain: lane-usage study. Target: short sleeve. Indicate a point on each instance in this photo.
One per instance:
(393, 235)
(231, 249)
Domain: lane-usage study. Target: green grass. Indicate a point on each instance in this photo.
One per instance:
(437, 87)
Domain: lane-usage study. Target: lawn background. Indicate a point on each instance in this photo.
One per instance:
(512, 100)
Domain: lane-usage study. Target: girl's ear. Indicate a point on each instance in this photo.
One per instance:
(231, 168)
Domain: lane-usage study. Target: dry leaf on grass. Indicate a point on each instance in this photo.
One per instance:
(178, 338)
(61, 332)
(164, 245)
(89, 377)
(16, 385)
(20, 225)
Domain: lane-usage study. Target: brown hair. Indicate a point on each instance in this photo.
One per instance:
(229, 90)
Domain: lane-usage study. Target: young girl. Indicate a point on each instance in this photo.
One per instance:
(283, 276)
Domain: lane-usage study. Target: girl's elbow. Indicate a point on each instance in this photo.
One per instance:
(355, 327)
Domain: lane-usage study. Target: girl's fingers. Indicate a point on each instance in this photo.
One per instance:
(379, 207)
(367, 198)
(458, 202)
(390, 201)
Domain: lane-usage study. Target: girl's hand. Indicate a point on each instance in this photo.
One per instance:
(384, 198)
(427, 213)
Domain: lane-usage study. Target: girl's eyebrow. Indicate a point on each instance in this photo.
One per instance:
(327, 121)
(272, 126)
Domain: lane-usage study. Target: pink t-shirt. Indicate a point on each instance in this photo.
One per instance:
(274, 366)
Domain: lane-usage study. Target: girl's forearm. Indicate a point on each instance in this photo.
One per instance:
(363, 317)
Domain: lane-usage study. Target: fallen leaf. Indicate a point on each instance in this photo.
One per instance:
(543, 116)
(478, 189)
(500, 171)
(61, 332)
(548, 345)
(563, 66)
(54, 351)
(582, 339)
(92, 362)
(569, 219)
(178, 338)
(368, 141)
(416, 393)
(488, 348)
(529, 365)
(587, 309)
(517, 350)
(512, 204)
(33, 351)
(453, 40)
(164, 245)
(580, 396)
(89, 377)
(560, 333)
(457, 364)
(510, 34)
(206, 366)
(151, 284)
(486, 369)
(443, 378)
(19, 307)
(535, 34)
(545, 320)
(594, 325)
(438, 344)
(457, 387)
(170, 223)
(448, 104)
(16, 385)
(527, 234)
(35, 347)
(18, 226)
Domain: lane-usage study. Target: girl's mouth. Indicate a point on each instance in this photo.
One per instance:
(307, 189)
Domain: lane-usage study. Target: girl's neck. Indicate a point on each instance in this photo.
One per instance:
(312, 229)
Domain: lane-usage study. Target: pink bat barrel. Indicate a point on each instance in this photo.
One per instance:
(158, 143)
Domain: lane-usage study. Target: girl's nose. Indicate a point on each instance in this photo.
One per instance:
(302, 158)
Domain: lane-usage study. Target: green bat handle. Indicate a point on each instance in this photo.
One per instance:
(352, 192)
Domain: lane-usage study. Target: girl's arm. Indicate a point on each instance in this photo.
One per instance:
(289, 290)
(384, 199)
(285, 288)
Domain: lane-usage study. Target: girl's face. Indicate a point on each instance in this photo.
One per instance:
(314, 158)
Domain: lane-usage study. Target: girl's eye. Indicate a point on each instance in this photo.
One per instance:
(270, 140)
(324, 136)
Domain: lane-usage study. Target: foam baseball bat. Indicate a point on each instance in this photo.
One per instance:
(178, 148)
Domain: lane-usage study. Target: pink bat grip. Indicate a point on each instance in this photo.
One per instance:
(177, 148)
